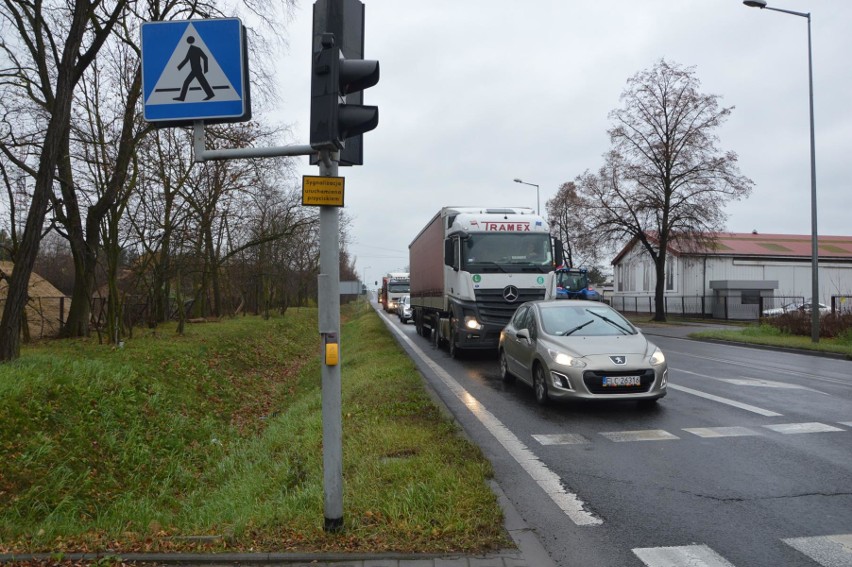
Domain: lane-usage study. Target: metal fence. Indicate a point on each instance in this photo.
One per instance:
(718, 307)
(841, 303)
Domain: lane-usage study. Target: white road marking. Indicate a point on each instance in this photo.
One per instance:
(846, 423)
(777, 370)
(714, 432)
(760, 383)
(721, 400)
(684, 556)
(643, 435)
(561, 439)
(828, 551)
(549, 481)
(795, 428)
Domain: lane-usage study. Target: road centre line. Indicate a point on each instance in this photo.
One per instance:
(751, 367)
(549, 481)
(751, 382)
(721, 400)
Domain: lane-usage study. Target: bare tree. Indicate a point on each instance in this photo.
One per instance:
(49, 46)
(567, 219)
(665, 176)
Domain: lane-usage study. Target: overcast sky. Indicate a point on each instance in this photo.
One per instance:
(476, 93)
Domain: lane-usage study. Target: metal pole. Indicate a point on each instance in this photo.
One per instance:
(815, 313)
(329, 323)
(537, 199)
(815, 297)
(537, 202)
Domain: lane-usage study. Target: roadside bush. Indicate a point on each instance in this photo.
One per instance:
(833, 325)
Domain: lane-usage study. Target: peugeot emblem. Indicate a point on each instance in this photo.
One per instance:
(618, 359)
(510, 293)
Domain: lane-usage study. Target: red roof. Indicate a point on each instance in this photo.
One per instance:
(760, 245)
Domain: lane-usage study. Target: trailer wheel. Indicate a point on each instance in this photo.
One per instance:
(418, 322)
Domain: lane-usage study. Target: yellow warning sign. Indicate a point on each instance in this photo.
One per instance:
(322, 191)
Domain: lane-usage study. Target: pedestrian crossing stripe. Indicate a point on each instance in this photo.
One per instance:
(704, 432)
(193, 70)
(691, 555)
(826, 551)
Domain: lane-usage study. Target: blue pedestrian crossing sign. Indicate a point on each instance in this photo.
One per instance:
(195, 70)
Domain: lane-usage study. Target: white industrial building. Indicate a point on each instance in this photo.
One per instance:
(734, 275)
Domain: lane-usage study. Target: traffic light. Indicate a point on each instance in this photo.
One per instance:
(332, 78)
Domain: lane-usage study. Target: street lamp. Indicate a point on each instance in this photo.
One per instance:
(537, 201)
(815, 312)
(364, 276)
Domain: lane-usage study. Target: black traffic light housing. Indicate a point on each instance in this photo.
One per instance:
(332, 78)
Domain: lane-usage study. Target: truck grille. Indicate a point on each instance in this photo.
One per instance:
(495, 310)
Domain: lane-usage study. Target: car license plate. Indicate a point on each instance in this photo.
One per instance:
(621, 381)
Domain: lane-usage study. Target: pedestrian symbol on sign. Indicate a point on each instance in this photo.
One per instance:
(195, 70)
(194, 56)
(205, 81)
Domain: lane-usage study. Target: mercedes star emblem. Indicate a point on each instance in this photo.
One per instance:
(510, 293)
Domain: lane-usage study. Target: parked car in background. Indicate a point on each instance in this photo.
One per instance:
(577, 349)
(403, 309)
(794, 307)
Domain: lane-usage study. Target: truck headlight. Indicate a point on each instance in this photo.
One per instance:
(471, 323)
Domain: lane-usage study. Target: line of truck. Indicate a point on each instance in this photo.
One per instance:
(470, 269)
(395, 285)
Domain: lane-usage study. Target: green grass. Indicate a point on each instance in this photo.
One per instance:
(771, 336)
(219, 433)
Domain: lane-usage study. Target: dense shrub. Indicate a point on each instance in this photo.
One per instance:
(832, 325)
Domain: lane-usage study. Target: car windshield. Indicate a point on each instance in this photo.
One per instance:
(400, 287)
(582, 321)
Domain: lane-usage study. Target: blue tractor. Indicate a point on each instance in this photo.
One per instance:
(573, 283)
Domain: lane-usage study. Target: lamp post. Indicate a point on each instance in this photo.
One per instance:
(364, 275)
(537, 201)
(815, 312)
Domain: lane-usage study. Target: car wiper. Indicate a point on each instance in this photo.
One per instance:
(575, 329)
(611, 322)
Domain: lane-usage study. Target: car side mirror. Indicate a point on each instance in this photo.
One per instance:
(523, 334)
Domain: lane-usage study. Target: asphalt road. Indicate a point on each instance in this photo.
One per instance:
(747, 462)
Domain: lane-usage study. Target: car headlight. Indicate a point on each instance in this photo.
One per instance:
(471, 323)
(565, 359)
(657, 358)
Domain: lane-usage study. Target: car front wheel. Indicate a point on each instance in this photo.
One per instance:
(540, 385)
(504, 368)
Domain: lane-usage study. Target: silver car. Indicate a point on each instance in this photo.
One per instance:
(403, 309)
(797, 307)
(575, 349)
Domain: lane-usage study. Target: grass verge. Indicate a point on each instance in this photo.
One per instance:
(768, 335)
(213, 441)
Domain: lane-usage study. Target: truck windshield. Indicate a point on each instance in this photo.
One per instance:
(508, 252)
(398, 287)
